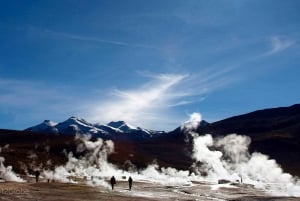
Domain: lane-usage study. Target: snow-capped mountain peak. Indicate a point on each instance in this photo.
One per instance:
(74, 125)
(79, 121)
(77, 125)
(122, 125)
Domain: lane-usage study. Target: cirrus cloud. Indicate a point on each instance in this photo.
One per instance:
(152, 105)
(144, 105)
(149, 105)
(279, 44)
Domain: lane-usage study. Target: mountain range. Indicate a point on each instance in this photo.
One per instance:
(112, 130)
(275, 132)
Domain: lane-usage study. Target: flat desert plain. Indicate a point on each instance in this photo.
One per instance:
(147, 191)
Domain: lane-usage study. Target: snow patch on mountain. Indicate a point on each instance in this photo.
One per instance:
(75, 125)
(122, 125)
(108, 129)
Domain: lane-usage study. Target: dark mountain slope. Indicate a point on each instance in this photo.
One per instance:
(283, 121)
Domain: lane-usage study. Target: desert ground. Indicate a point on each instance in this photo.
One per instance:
(142, 190)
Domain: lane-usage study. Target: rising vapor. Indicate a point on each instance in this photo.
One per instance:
(228, 158)
(7, 173)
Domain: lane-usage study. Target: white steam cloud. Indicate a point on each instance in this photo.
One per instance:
(93, 163)
(233, 162)
(192, 124)
(7, 173)
(228, 158)
(95, 168)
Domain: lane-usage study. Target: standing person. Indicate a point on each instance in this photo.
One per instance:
(112, 182)
(37, 174)
(130, 183)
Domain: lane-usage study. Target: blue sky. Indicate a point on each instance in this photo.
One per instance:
(151, 63)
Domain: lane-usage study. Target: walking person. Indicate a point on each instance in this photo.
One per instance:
(112, 182)
(130, 183)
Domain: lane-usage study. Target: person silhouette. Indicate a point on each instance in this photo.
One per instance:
(112, 182)
(37, 174)
(130, 183)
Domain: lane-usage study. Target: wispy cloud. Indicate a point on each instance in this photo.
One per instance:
(23, 93)
(279, 44)
(152, 104)
(99, 40)
(142, 106)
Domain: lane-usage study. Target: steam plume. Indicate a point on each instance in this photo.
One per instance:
(7, 173)
(228, 158)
